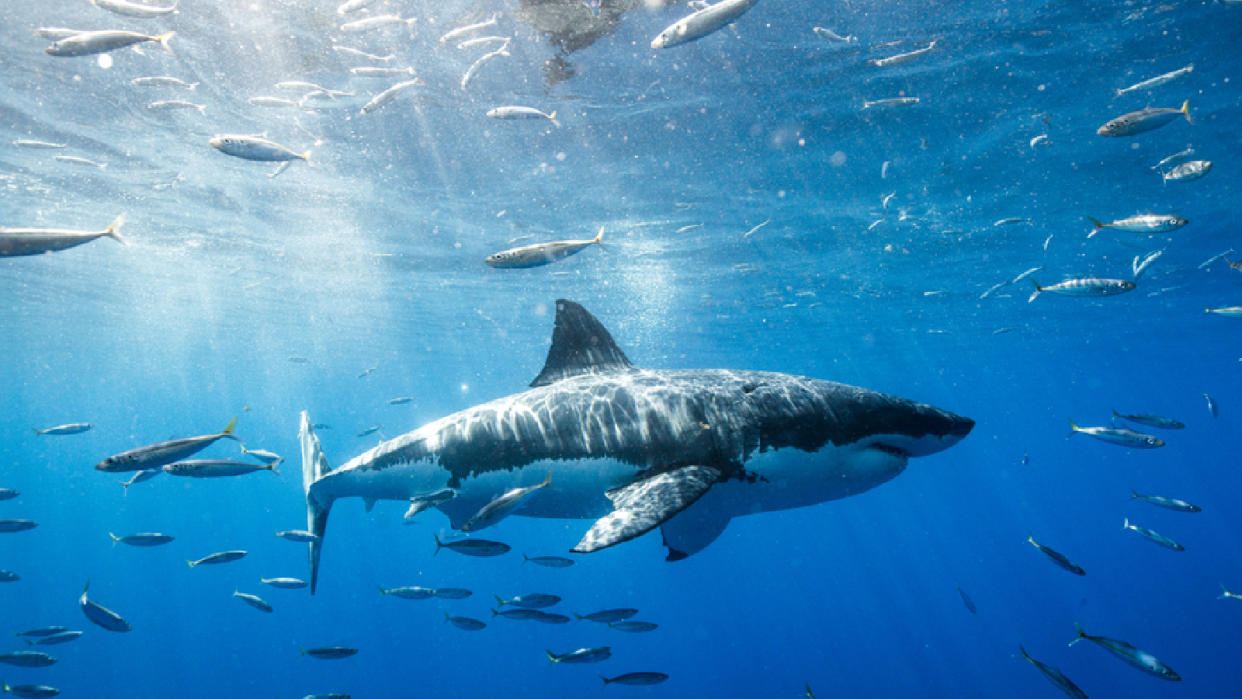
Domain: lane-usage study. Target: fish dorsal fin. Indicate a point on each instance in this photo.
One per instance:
(580, 345)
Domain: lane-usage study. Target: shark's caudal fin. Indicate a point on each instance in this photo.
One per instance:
(314, 467)
(580, 345)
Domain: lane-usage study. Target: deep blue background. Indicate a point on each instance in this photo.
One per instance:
(372, 257)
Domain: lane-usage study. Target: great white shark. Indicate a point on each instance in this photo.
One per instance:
(636, 449)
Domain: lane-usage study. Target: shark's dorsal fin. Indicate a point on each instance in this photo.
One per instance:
(580, 345)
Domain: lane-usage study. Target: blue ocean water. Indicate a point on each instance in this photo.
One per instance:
(371, 256)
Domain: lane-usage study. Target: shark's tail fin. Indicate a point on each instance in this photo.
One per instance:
(314, 467)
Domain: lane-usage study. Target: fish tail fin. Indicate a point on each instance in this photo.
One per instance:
(314, 467)
(163, 40)
(1206, 309)
(578, 616)
(305, 156)
(1185, 110)
(1073, 427)
(552, 118)
(113, 230)
(189, 562)
(228, 430)
(1080, 634)
(382, 590)
(447, 618)
(525, 558)
(1125, 523)
(599, 237)
(1116, 414)
(1224, 592)
(1023, 651)
(114, 537)
(1133, 493)
(1118, 93)
(439, 544)
(499, 601)
(192, 86)
(494, 612)
(551, 655)
(605, 679)
(1035, 294)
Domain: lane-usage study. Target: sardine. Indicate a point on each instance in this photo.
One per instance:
(480, 548)
(1119, 436)
(1141, 223)
(1153, 535)
(519, 112)
(540, 254)
(55, 639)
(1144, 120)
(133, 9)
(452, 593)
(1055, 676)
(162, 453)
(1231, 311)
(1211, 405)
(464, 623)
(387, 95)
(901, 58)
(1057, 557)
(1165, 423)
(298, 535)
(607, 616)
(503, 506)
(549, 561)
(459, 32)
(140, 476)
(144, 539)
(1157, 81)
(1086, 286)
(101, 615)
(217, 558)
(255, 148)
(409, 592)
(71, 428)
(966, 600)
(30, 691)
(831, 36)
(254, 601)
(648, 678)
(1137, 658)
(582, 655)
(9, 526)
(890, 102)
(89, 43)
(8, 493)
(633, 626)
(329, 652)
(16, 242)
(27, 658)
(534, 600)
(701, 23)
(1165, 502)
(284, 583)
(1187, 172)
(216, 468)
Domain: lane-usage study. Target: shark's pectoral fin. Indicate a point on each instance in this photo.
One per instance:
(696, 528)
(644, 505)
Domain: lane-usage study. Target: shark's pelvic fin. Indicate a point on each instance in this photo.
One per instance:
(644, 505)
(580, 345)
(695, 528)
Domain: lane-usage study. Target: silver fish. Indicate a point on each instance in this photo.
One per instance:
(1153, 535)
(1211, 404)
(277, 102)
(701, 23)
(30, 691)
(168, 105)
(1057, 557)
(376, 22)
(540, 254)
(217, 558)
(379, 71)
(70, 428)
(831, 36)
(901, 58)
(425, 502)
(298, 535)
(533, 600)
(464, 623)
(132, 9)
(637, 626)
(966, 600)
(549, 561)
(503, 506)
(144, 539)
(9, 576)
(329, 652)
(78, 160)
(352, 5)
(459, 32)
(16, 242)
(582, 655)
(1164, 423)
(1226, 594)
(284, 583)
(254, 601)
(1055, 676)
(216, 468)
(8, 493)
(502, 50)
(409, 592)
(57, 33)
(1087, 286)
(1157, 81)
(1137, 658)
(161, 453)
(519, 112)
(1144, 120)
(1119, 436)
(350, 51)
(42, 631)
(1141, 223)
(890, 102)
(267, 457)
(1231, 311)
(649, 678)
(387, 95)
(480, 41)
(403, 400)
(1174, 159)
(55, 639)
(89, 43)
(140, 476)
(38, 145)
(608, 616)
(481, 548)
(162, 81)
(27, 658)
(1167, 503)
(1188, 172)
(255, 148)
(9, 526)
(101, 615)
